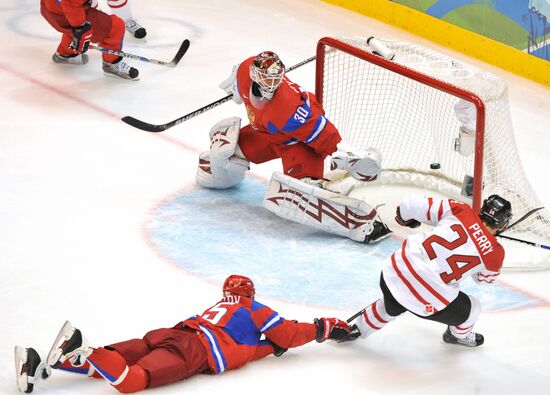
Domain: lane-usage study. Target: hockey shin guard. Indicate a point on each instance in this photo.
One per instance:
(462, 330)
(374, 318)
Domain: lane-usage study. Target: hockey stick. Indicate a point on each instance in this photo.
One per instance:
(355, 315)
(528, 214)
(173, 63)
(149, 127)
(531, 243)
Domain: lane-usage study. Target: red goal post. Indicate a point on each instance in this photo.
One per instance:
(406, 108)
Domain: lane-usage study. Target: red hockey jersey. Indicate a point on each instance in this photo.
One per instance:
(424, 274)
(235, 331)
(73, 10)
(292, 114)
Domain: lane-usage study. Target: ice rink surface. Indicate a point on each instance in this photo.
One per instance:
(102, 224)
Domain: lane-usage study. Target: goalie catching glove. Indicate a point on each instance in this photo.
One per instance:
(334, 329)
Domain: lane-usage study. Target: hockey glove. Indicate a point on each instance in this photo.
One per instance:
(332, 328)
(81, 38)
(410, 223)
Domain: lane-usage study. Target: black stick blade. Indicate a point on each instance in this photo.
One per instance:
(148, 127)
(183, 49)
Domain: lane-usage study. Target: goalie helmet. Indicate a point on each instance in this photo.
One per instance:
(496, 212)
(238, 285)
(267, 71)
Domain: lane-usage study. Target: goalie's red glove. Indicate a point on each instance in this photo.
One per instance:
(333, 328)
(82, 36)
(410, 223)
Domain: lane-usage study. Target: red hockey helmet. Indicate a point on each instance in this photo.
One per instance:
(238, 285)
(267, 71)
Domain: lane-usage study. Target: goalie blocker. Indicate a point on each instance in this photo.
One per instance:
(308, 204)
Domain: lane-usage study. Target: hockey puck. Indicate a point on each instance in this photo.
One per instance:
(435, 166)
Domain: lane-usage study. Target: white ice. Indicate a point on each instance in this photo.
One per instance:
(84, 199)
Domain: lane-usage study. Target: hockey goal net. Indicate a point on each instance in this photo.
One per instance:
(406, 108)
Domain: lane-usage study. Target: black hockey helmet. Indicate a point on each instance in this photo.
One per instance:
(496, 212)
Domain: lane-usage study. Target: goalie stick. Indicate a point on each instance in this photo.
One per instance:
(173, 63)
(149, 127)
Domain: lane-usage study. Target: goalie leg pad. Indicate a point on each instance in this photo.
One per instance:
(222, 167)
(363, 166)
(311, 205)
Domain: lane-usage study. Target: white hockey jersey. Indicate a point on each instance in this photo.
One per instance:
(424, 274)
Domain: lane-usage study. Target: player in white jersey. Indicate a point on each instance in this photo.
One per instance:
(424, 275)
(123, 9)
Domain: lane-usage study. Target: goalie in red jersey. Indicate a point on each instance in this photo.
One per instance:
(81, 23)
(228, 335)
(288, 122)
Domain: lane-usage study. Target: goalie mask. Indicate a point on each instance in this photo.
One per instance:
(238, 285)
(496, 212)
(267, 71)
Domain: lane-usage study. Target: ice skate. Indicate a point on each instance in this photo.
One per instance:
(472, 339)
(120, 69)
(79, 59)
(135, 29)
(380, 231)
(29, 369)
(69, 344)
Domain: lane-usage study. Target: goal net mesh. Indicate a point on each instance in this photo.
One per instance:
(408, 114)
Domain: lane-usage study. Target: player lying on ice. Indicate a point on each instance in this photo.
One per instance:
(424, 275)
(287, 122)
(228, 335)
(80, 23)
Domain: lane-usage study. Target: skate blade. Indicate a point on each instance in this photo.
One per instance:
(56, 353)
(20, 357)
(117, 77)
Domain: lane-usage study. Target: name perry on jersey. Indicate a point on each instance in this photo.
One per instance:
(481, 240)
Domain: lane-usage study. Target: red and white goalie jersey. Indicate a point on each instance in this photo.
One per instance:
(424, 274)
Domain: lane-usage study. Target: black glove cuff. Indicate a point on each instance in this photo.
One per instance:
(410, 223)
(80, 30)
(277, 350)
(320, 329)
